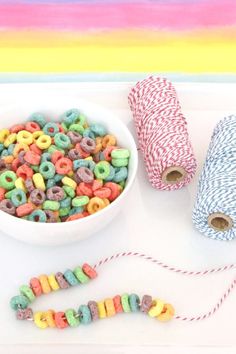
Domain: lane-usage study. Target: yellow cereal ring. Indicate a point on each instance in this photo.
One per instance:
(20, 184)
(25, 137)
(37, 134)
(101, 309)
(157, 308)
(8, 159)
(53, 283)
(110, 308)
(106, 201)
(40, 320)
(49, 317)
(108, 140)
(70, 174)
(69, 182)
(10, 140)
(39, 181)
(44, 141)
(4, 133)
(44, 284)
(95, 204)
(20, 147)
(89, 158)
(97, 148)
(167, 313)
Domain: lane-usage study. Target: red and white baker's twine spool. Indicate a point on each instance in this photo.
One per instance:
(183, 272)
(162, 132)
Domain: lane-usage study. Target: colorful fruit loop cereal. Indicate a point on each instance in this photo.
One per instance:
(59, 171)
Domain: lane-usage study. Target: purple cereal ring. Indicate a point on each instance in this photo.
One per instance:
(24, 314)
(96, 157)
(146, 303)
(29, 185)
(76, 178)
(2, 166)
(62, 281)
(55, 193)
(74, 137)
(21, 157)
(85, 174)
(37, 196)
(73, 154)
(50, 216)
(7, 206)
(88, 144)
(93, 307)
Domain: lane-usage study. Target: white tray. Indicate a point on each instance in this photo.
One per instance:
(157, 223)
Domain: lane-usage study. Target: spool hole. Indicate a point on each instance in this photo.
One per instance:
(220, 222)
(173, 174)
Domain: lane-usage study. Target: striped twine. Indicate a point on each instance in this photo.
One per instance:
(183, 272)
(161, 130)
(217, 183)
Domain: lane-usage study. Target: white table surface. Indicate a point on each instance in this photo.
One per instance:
(154, 222)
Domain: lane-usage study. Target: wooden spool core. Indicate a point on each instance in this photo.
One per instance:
(220, 222)
(173, 174)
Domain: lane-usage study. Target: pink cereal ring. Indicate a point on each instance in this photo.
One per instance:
(117, 304)
(89, 271)
(83, 153)
(63, 166)
(32, 127)
(60, 320)
(32, 158)
(36, 149)
(115, 190)
(57, 155)
(17, 128)
(2, 193)
(36, 286)
(15, 164)
(107, 152)
(24, 209)
(24, 172)
(85, 189)
(103, 192)
(97, 183)
(61, 130)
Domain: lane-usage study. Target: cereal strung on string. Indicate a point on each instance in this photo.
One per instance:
(55, 172)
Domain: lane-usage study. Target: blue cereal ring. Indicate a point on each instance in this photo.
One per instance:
(18, 197)
(121, 173)
(98, 129)
(51, 129)
(70, 277)
(38, 118)
(47, 169)
(19, 301)
(38, 216)
(79, 163)
(88, 134)
(76, 210)
(46, 157)
(1, 147)
(70, 116)
(134, 302)
(65, 203)
(11, 148)
(51, 183)
(111, 175)
(85, 314)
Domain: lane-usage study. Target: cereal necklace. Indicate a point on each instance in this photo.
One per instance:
(94, 310)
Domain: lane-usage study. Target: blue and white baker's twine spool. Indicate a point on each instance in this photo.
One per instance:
(214, 212)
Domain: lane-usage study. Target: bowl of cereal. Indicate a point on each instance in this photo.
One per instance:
(64, 173)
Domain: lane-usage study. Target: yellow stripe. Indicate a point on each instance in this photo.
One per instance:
(178, 57)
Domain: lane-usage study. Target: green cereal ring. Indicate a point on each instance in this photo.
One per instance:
(51, 205)
(7, 180)
(134, 302)
(80, 275)
(71, 317)
(51, 183)
(18, 197)
(1, 147)
(64, 211)
(38, 216)
(69, 116)
(62, 140)
(38, 118)
(80, 201)
(122, 184)
(70, 277)
(35, 168)
(77, 210)
(9, 194)
(120, 162)
(64, 127)
(69, 191)
(19, 302)
(111, 174)
(98, 129)
(58, 177)
(53, 148)
(120, 154)
(102, 170)
(47, 169)
(125, 303)
(27, 292)
(10, 149)
(65, 203)
(78, 128)
(85, 314)
(80, 119)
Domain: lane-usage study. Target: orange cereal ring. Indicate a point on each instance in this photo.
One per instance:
(85, 189)
(117, 304)
(32, 158)
(24, 209)
(103, 192)
(108, 140)
(32, 127)
(36, 149)
(24, 172)
(83, 153)
(115, 190)
(110, 308)
(89, 271)
(107, 152)
(2, 193)
(85, 213)
(36, 286)
(57, 155)
(60, 320)
(167, 313)
(17, 128)
(8, 159)
(49, 317)
(44, 284)
(97, 183)
(95, 204)
(15, 164)
(63, 166)
(75, 217)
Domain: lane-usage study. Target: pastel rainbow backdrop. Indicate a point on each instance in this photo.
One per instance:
(69, 36)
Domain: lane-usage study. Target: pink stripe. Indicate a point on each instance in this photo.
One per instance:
(111, 16)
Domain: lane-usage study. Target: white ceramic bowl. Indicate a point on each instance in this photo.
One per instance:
(62, 233)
